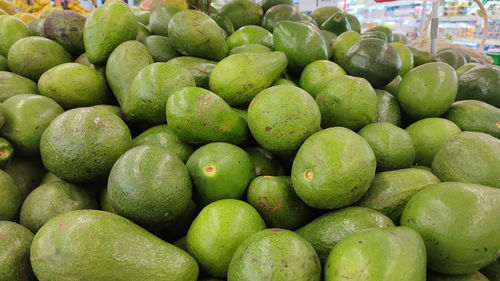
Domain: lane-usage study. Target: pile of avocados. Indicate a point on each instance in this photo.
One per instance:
(251, 143)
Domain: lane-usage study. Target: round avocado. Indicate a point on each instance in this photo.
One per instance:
(477, 116)
(160, 19)
(15, 242)
(343, 43)
(251, 34)
(279, 13)
(384, 29)
(480, 83)
(66, 28)
(318, 74)
(12, 30)
(265, 162)
(11, 198)
(242, 12)
(267, 4)
(451, 57)
(162, 48)
(466, 67)
(388, 109)
(199, 68)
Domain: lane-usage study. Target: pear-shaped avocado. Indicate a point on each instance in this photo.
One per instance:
(242, 12)
(197, 115)
(480, 83)
(66, 28)
(197, 34)
(336, 24)
(123, 65)
(225, 23)
(162, 48)
(107, 27)
(318, 74)
(238, 78)
(12, 30)
(128, 251)
(279, 13)
(199, 68)
(251, 34)
(160, 18)
(302, 43)
(12, 84)
(477, 116)
(320, 15)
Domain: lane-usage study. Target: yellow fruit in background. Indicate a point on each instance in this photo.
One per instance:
(43, 2)
(179, 4)
(8, 7)
(45, 11)
(26, 17)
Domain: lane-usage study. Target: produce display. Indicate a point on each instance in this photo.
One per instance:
(247, 143)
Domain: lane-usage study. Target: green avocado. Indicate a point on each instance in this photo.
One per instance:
(180, 226)
(384, 29)
(375, 35)
(149, 186)
(6, 151)
(197, 34)
(390, 191)
(480, 83)
(32, 56)
(106, 28)
(143, 32)
(199, 68)
(477, 116)
(149, 91)
(393, 86)
(162, 49)
(283, 81)
(353, 22)
(318, 74)
(446, 214)
(388, 109)
(466, 67)
(15, 242)
(282, 117)
(392, 145)
(269, 255)
(242, 12)
(35, 27)
(417, 90)
(4, 66)
(26, 172)
(104, 201)
(279, 13)
(329, 229)
(340, 103)
(249, 48)
(27, 116)
(199, 116)
(373, 59)
(268, 4)
(451, 57)
(330, 37)
(124, 63)
(52, 199)
(11, 198)
(421, 57)
(225, 23)
(127, 251)
(301, 42)
(320, 176)
(336, 24)
(82, 59)
(217, 176)
(428, 136)
(240, 77)
(277, 203)
(469, 157)
(143, 17)
(265, 162)
(82, 144)
(160, 19)
(389, 254)
(251, 34)
(163, 136)
(12, 30)
(406, 57)
(343, 43)
(320, 15)
(66, 28)
(74, 85)
(474, 276)
(218, 231)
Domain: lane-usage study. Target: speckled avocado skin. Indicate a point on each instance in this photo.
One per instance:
(26, 172)
(12, 84)
(66, 28)
(82, 144)
(12, 29)
(275, 254)
(15, 242)
(199, 68)
(66, 249)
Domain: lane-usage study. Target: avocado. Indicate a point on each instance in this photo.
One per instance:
(421, 57)
(12, 30)
(474, 276)
(336, 24)
(406, 57)
(27, 116)
(477, 116)
(343, 43)
(393, 86)
(197, 34)
(217, 232)
(124, 63)
(240, 77)
(330, 38)
(217, 176)
(438, 211)
(480, 83)
(320, 15)
(160, 19)
(279, 13)
(26, 172)
(251, 34)
(66, 29)
(277, 203)
(150, 186)
(353, 22)
(4, 66)
(400, 38)
(162, 49)
(428, 136)
(32, 56)
(242, 12)
(373, 59)
(6, 151)
(268, 255)
(283, 81)
(392, 145)
(265, 162)
(388, 109)
(390, 191)
(319, 174)
(340, 103)
(163, 136)
(15, 243)
(389, 254)
(82, 59)
(417, 90)
(329, 229)
(225, 23)
(11, 198)
(104, 201)
(464, 68)
(301, 42)
(143, 17)
(318, 74)
(149, 91)
(35, 27)
(143, 32)
(52, 199)
(199, 116)
(282, 117)
(374, 35)
(74, 85)
(199, 68)
(127, 251)
(267, 4)
(451, 57)
(249, 48)
(469, 157)
(384, 29)
(106, 28)
(180, 226)
(82, 144)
